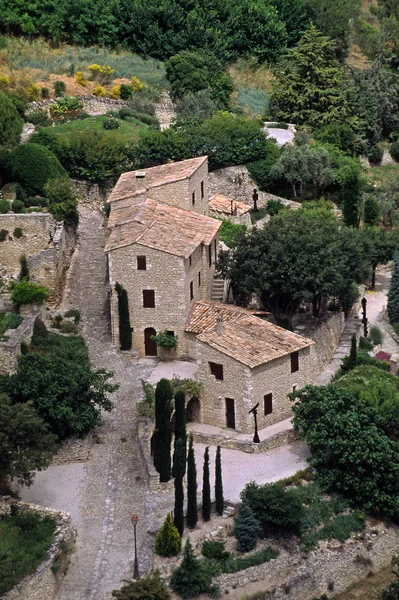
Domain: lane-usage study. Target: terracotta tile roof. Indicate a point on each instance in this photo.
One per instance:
(129, 183)
(155, 225)
(222, 204)
(246, 338)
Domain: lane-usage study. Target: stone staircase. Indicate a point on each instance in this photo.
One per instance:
(217, 291)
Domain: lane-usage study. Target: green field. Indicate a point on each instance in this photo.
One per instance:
(127, 132)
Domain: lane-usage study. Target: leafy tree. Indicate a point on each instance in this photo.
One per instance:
(274, 506)
(11, 124)
(309, 85)
(382, 247)
(33, 165)
(168, 540)
(196, 104)
(163, 432)
(57, 377)
(349, 448)
(62, 200)
(350, 190)
(342, 136)
(179, 470)
(26, 445)
(371, 215)
(198, 70)
(125, 330)
(151, 587)
(246, 528)
(219, 500)
(24, 269)
(393, 294)
(206, 488)
(192, 509)
(190, 579)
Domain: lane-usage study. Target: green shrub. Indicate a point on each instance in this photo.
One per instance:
(246, 528)
(73, 313)
(146, 406)
(18, 233)
(235, 564)
(376, 335)
(125, 92)
(62, 200)
(230, 233)
(273, 207)
(165, 340)
(190, 579)
(33, 165)
(214, 550)
(17, 206)
(24, 269)
(3, 235)
(39, 118)
(59, 88)
(10, 321)
(111, 123)
(365, 344)
(339, 528)
(68, 327)
(375, 155)
(46, 139)
(45, 93)
(4, 206)
(149, 587)
(27, 292)
(168, 540)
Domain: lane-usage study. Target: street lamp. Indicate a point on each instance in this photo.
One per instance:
(136, 574)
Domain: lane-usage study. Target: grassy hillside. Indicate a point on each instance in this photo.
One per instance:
(253, 84)
(127, 132)
(24, 61)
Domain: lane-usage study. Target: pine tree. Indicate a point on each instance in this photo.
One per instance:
(180, 422)
(190, 579)
(192, 509)
(393, 295)
(163, 431)
(206, 488)
(179, 469)
(24, 270)
(219, 501)
(125, 331)
(246, 528)
(168, 540)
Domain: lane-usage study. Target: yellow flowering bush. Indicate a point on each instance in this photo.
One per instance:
(4, 82)
(79, 78)
(137, 85)
(33, 92)
(99, 91)
(101, 73)
(115, 93)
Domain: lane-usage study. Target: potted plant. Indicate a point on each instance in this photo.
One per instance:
(167, 343)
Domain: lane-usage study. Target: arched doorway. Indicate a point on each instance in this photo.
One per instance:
(150, 347)
(193, 410)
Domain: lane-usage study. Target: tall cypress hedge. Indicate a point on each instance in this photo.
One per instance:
(192, 508)
(180, 423)
(206, 488)
(179, 469)
(163, 432)
(125, 331)
(219, 500)
(393, 295)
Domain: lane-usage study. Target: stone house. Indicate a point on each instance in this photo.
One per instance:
(244, 360)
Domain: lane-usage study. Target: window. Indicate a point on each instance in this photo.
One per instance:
(191, 290)
(294, 362)
(148, 299)
(199, 278)
(193, 198)
(268, 403)
(216, 370)
(171, 333)
(202, 189)
(210, 255)
(141, 263)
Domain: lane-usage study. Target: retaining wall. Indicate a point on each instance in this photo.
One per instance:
(11, 349)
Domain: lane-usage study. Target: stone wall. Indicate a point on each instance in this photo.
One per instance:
(49, 267)
(92, 104)
(11, 349)
(276, 440)
(38, 229)
(145, 431)
(44, 583)
(74, 450)
(91, 194)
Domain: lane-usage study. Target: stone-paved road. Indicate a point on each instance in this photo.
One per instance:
(115, 485)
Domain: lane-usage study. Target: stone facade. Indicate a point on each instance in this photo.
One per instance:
(247, 387)
(11, 349)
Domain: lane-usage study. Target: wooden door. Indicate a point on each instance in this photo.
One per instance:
(150, 346)
(230, 414)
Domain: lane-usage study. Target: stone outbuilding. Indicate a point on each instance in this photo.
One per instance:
(244, 360)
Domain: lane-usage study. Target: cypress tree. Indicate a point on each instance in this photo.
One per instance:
(246, 528)
(163, 430)
(179, 469)
(353, 353)
(180, 423)
(219, 501)
(192, 509)
(125, 332)
(168, 540)
(206, 488)
(24, 271)
(393, 295)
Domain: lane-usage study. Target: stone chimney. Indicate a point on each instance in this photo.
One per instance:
(141, 175)
(219, 325)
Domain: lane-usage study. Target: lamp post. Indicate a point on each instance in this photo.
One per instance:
(254, 411)
(136, 574)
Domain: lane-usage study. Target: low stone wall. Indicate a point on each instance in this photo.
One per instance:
(10, 350)
(92, 104)
(5, 303)
(74, 450)
(274, 441)
(44, 583)
(145, 430)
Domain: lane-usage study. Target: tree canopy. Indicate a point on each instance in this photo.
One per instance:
(11, 124)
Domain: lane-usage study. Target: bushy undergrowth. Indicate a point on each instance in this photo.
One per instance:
(25, 538)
